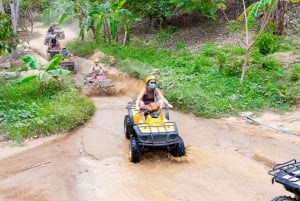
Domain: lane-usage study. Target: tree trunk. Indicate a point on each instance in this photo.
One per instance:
(106, 31)
(14, 7)
(80, 24)
(30, 15)
(279, 16)
(245, 66)
(1, 7)
(125, 38)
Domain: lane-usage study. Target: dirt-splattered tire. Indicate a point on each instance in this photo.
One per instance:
(167, 114)
(128, 126)
(283, 198)
(49, 57)
(134, 151)
(75, 69)
(179, 150)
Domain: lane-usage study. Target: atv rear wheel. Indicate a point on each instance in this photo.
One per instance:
(283, 198)
(128, 126)
(134, 150)
(179, 150)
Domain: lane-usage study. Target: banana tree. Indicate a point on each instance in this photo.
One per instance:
(55, 9)
(77, 9)
(8, 39)
(50, 71)
(104, 19)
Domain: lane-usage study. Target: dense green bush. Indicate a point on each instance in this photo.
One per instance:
(295, 75)
(82, 48)
(25, 112)
(269, 43)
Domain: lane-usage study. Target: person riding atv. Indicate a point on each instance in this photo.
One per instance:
(148, 98)
(64, 52)
(53, 41)
(96, 69)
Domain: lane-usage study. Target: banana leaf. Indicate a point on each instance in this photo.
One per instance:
(54, 62)
(27, 79)
(59, 72)
(30, 62)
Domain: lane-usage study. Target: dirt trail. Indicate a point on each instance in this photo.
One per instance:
(227, 159)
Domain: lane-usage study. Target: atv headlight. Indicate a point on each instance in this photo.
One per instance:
(173, 137)
(145, 139)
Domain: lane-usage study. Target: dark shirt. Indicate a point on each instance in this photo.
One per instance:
(50, 30)
(149, 96)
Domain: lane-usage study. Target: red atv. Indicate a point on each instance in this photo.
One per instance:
(53, 50)
(99, 80)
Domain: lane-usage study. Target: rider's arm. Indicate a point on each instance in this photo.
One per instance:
(92, 69)
(139, 98)
(161, 96)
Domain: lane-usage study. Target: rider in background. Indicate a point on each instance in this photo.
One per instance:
(53, 40)
(97, 68)
(146, 98)
(64, 52)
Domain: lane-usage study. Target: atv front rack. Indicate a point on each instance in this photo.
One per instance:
(287, 174)
(160, 135)
(67, 63)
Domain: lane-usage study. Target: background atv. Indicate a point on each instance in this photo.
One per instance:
(287, 174)
(101, 85)
(60, 34)
(47, 38)
(51, 51)
(152, 134)
(68, 63)
(100, 81)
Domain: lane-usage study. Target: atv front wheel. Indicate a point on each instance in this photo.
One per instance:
(283, 198)
(128, 126)
(134, 150)
(179, 150)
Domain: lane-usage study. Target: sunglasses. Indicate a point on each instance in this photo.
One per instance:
(152, 82)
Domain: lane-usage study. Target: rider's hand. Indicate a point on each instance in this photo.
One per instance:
(170, 106)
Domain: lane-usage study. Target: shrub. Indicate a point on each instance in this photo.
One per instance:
(270, 63)
(295, 74)
(269, 43)
(82, 48)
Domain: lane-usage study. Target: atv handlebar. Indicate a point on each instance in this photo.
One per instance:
(145, 109)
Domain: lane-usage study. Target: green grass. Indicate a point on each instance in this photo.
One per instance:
(25, 112)
(207, 83)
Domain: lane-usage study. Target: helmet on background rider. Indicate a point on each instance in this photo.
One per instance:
(96, 60)
(63, 47)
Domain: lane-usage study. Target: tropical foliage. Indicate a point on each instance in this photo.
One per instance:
(50, 71)
(41, 104)
(27, 113)
(8, 40)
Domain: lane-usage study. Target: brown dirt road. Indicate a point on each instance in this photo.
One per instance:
(227, 159)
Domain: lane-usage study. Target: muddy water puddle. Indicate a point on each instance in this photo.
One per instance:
(217, 166)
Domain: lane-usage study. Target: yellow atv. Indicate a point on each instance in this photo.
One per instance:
(152, 134)
(287, 174)
(68, 63)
